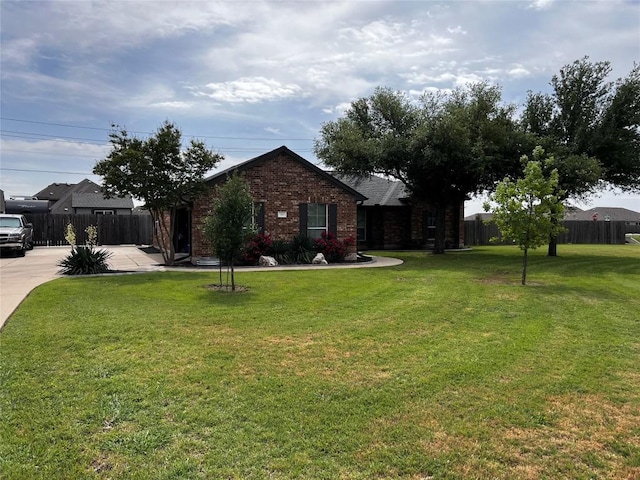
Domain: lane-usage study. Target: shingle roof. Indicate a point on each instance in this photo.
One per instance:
(96, 200)
(614, 214)
(378, 190)
(63, 197)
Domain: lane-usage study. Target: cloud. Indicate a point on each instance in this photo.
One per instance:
(540, 4)
(249, 90)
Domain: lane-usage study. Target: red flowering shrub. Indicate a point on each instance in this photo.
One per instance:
(257, 246)
(334, 250)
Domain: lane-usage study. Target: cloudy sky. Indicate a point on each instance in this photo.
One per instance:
(247, 77)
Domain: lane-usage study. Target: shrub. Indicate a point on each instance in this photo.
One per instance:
(334, 250)
(85, 261)
(257, 246)
(302, 249)
(282, 251)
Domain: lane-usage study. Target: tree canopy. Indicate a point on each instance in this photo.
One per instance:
(157, 171)
(443, 148)
(591, 126)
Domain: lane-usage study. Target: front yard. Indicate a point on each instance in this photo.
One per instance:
(444, 367)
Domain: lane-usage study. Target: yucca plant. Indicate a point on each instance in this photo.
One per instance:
(303, 249)
(85, 261)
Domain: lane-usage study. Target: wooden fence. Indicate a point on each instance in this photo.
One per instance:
(49, 230)
(477, 232)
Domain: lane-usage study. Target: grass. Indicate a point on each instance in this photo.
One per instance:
(444, 367)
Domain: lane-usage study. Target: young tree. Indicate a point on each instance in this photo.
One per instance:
(156, 171)
(591, 126)
(529, 209)
(226, 226)
(442, 149)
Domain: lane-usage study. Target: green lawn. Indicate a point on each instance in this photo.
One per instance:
(444, 367)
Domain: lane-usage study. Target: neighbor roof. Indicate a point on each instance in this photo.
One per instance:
(283, 150)
(97, 200)
(614, 214)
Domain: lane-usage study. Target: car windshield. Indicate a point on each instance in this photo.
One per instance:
(10, 222)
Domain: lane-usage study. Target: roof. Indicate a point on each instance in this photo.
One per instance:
(379, 191)
(97, 200)
(63, 197)
(614, 214)
(283, 150)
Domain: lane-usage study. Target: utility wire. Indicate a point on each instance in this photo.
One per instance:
(151, 133)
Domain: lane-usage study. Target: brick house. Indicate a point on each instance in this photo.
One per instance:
(291, 197)
(390, 219)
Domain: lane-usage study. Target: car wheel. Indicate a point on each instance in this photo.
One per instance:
(30, 246)
(20, 253)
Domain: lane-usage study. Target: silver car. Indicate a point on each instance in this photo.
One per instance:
(16, 233)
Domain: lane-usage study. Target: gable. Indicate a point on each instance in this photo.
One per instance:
(278, 155)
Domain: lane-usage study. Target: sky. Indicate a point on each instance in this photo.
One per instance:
(248, 77)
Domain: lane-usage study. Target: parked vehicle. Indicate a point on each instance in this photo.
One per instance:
(16, 233)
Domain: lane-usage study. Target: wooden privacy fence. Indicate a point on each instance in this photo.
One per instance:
(49, 230)
(477, 232)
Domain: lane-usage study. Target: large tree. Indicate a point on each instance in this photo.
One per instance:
(443, 148)
(157, 171)
(591, 126)
(527, 210)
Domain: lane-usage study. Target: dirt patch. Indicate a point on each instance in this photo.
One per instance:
(226, 288)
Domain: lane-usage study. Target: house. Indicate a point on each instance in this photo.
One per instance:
(291, 196)
(390, 218)
(85, 197)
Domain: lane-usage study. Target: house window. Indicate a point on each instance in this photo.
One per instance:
(316, 220)
(103, 212)
(257, 217)
(362, 225)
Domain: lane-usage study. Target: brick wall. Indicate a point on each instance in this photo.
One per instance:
(281, 183)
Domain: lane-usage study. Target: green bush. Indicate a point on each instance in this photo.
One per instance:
(302, 249)
(282, 251)
(85, 261)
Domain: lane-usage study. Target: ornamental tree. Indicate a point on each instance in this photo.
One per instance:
(226, 226)
(157, 171)
(528, 210)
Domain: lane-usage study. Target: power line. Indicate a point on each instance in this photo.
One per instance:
(44, 171)
(151, 133)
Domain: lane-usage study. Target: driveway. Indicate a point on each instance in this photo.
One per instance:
(20, 275)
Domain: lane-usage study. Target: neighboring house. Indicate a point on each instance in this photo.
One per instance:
(291, 197)
(2, 207)
(390, 219)
(605, 214)
(84, 197)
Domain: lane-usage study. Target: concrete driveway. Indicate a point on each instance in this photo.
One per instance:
(20, 275)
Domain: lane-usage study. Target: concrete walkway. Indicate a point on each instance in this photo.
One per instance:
(19, 276)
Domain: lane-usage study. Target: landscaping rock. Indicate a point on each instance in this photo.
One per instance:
(351, 257)
(319, 260)
(266, 261)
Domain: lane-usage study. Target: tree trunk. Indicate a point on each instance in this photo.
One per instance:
(233, 278)
(438, 247)
(553, 247)
(524, 267)
(553, 241)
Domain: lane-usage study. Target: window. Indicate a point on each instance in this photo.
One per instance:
(362, 224)
(257, 217)
(316, 220)
(103, 212)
